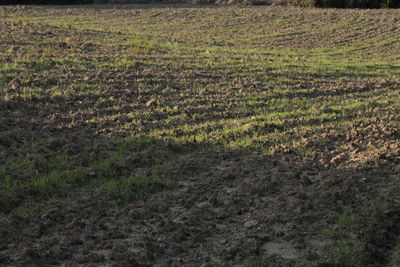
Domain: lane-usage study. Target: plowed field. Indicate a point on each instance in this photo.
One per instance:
(199, 136)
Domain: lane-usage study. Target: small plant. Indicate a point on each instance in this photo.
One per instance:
(140, 47)
(56, 181)
(130, 188)
(381, 206)
(348, 247)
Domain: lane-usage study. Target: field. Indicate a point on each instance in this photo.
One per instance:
(199, 136)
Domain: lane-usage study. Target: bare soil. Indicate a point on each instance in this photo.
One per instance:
(73, 85)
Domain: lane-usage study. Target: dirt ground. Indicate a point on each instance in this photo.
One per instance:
(199, 136)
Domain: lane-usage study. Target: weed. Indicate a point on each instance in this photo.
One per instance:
(348, 236)
(57, 182)
(140, 47)
(381, 206)
(130, 188)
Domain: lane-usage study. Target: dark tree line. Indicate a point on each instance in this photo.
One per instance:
(45, 2)
(346, 3)
(358, 3)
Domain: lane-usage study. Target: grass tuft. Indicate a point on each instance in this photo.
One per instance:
(131, 188)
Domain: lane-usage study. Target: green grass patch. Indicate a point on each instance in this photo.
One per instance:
(349, 238)
(131, 188)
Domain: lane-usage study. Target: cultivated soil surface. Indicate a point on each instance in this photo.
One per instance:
(199, 136)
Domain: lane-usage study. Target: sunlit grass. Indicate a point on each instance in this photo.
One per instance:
(224, 81)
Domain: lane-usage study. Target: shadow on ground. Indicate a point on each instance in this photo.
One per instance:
(215, 205)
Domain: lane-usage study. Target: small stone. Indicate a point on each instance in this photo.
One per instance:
(33, 231)
(300, 210)
(230, 190)
(221, 226)
(340, 158)
(250, 224)
(151, 102)
(202, 204)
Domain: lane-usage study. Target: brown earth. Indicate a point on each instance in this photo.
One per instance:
(224, 206)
